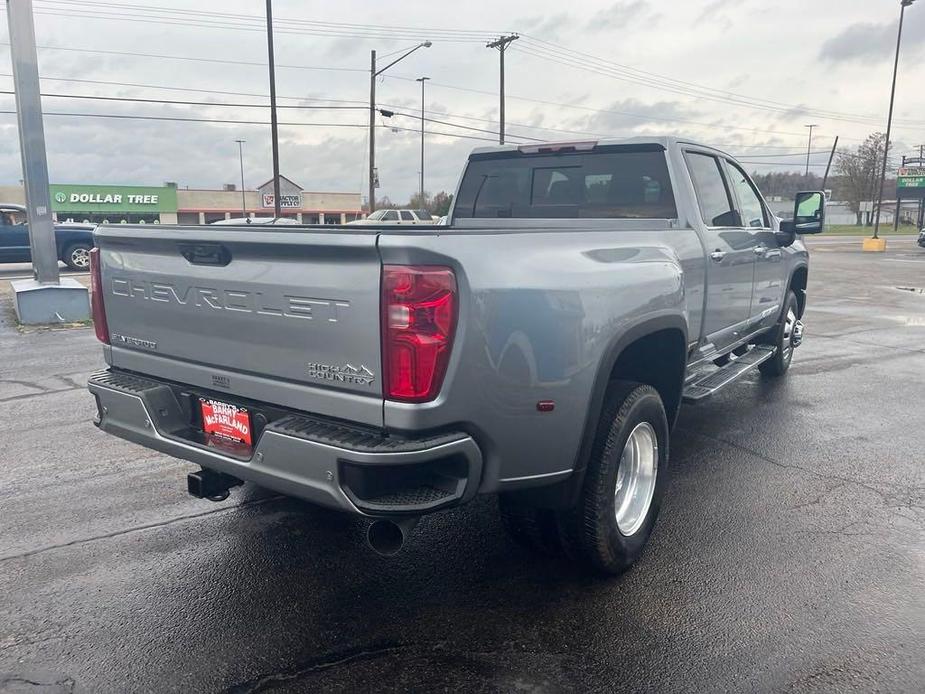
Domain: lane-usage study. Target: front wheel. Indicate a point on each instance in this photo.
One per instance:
(785, 336)
(77, 256)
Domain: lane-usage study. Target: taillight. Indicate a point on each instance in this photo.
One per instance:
(419, 304)
(97, 310)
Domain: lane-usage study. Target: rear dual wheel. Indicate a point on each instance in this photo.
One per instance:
(623, 487)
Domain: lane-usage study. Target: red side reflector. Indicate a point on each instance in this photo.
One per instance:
(97, 309)
(419, 305)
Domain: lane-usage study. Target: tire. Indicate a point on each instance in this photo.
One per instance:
(781, 337)
(591, 532)
(77, 256)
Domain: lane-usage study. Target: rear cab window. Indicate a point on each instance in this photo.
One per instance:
(609, 182)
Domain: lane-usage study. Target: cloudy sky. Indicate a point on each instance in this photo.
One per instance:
(744, 74)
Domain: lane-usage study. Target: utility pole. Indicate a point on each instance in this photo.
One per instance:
(372, 133)
(809, 145)
(921, 215)
(501, 44)
(373, 74)
(825, 179)
(889, 119)
(274, 134)
(241, 159)
(898, 200)
(422, 80)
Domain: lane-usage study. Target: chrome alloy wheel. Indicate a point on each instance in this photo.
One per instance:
(80, 257)
(636, 478)
(792, 335)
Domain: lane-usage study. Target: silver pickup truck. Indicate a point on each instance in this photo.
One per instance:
(538, 347)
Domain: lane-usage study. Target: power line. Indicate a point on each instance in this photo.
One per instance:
(127, 99)
(580, 59)
(197, 59)
(540, 48)
(126, 116)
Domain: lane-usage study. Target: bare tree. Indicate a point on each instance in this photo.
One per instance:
(859, 171)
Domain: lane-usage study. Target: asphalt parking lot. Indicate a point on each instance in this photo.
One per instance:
(789, 556)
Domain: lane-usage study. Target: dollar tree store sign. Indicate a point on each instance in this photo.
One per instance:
(79, 198)
(911, 178)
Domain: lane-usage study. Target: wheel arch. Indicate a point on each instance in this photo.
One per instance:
(797, 284)
(640, 353)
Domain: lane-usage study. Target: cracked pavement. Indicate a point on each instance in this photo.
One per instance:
(790, 552)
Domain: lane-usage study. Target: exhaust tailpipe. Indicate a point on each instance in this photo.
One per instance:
(387, 537)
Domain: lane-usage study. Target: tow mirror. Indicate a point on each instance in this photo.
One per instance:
(808, 214)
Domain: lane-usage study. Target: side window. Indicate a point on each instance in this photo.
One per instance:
(712, 196)
(390, 216)
(406, 216)
(753, 214)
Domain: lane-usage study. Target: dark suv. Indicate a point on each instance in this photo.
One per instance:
(73, 241)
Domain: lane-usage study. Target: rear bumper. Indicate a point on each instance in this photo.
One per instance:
(355, 469)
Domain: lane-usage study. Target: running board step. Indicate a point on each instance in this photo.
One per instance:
(715, 380)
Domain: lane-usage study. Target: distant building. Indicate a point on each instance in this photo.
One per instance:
(169, 204)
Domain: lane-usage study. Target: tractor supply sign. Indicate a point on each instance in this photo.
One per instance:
(290, 201)
(911, 178)
(78, 198)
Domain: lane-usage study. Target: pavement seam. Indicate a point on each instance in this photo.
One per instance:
(870, 344)
(261, 683)
(139, 528)
(26, 396)
(885, 496)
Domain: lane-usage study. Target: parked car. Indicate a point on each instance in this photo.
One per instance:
(538, 347)
(272, 221)
(396, 217)
(922, 238)
(73, 241)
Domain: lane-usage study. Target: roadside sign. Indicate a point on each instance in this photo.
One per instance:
(910, 177)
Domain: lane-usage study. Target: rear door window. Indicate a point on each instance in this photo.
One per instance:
(406, 216)
(713, 196)
(615, 182)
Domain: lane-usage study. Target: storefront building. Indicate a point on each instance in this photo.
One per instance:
(168, 204)
(205, 206)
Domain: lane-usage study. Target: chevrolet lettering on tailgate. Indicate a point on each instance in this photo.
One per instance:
(287, 306)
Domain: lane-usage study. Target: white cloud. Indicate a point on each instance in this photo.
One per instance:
(762, 54)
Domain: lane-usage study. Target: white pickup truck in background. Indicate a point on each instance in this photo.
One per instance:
(397, 217)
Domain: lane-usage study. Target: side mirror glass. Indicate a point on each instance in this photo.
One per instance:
(809, 212)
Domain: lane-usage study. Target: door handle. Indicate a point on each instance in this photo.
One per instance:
(717, 255)
(760, 250)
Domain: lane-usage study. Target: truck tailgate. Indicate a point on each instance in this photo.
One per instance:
(285, 316)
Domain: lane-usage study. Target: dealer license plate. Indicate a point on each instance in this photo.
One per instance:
(225, 421)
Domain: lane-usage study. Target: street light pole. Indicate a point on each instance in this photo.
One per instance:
(274, 134)
(241, 159)
(889, 120)
(501, 44)
(422, 80)
(809, 145)
(373, 74)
